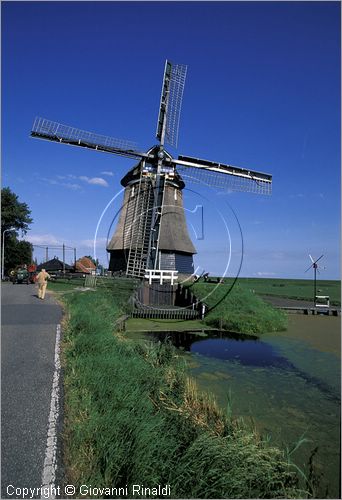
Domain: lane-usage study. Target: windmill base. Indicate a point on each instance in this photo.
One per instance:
(164, 295)
(166, 301)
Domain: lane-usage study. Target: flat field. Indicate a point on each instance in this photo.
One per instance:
(291, 288)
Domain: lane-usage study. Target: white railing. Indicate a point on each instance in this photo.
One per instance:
(322, 301)
(161, 275)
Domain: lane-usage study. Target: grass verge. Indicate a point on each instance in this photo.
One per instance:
(132, 416)
(238, 311)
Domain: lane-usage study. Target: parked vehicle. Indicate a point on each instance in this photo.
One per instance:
(20, 275)
(32, 269)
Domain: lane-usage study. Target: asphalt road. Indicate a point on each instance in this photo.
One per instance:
(285, 302)
(27, 366)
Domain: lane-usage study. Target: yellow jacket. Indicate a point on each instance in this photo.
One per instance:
(42, 277)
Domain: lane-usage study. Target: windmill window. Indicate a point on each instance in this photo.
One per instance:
(132, 191)
(175, 194)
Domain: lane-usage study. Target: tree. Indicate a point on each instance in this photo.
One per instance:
(17, 252)
(15, 216)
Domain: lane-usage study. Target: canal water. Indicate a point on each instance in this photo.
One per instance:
(285, 384)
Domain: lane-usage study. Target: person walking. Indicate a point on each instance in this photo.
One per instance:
(42, 278)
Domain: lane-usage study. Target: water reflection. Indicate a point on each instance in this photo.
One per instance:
(248, 350)
(288, 387)
(185, 339)
(285, 404)
(245, 349)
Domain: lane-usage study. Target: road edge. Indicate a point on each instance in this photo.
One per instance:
(50, 460)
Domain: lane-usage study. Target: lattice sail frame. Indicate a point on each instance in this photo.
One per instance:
(177, 83)
(48, 129)
(224, 181)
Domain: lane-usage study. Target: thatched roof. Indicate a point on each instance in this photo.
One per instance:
(174, 234)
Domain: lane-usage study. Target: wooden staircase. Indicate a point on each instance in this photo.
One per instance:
(138, 223)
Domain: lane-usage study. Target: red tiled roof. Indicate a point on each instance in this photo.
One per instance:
(85, 265)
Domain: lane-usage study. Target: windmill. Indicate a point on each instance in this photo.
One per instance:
(314, 266)
(151, 233)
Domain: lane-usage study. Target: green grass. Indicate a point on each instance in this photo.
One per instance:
(239, 311)
(151, 325)
(132, 416)
(65, 285)
(68, 285)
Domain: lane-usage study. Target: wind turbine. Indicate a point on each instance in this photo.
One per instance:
(314, 265)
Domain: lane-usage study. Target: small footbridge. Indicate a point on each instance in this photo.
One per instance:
(315, 311)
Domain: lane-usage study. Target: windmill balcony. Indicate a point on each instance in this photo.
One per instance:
(161, 275)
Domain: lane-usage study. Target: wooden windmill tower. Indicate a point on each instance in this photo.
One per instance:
(151, 234)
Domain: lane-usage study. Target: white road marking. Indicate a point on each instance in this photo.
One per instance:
(50, 461)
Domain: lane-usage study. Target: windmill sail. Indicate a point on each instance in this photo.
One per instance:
(171, 103)
(223, 176)
(54, 131)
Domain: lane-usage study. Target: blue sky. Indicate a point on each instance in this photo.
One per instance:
(262, 92)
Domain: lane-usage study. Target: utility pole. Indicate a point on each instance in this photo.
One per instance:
(315, 271)
(63, 259)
